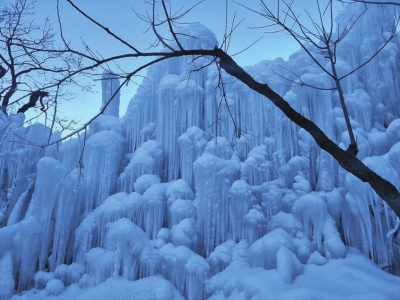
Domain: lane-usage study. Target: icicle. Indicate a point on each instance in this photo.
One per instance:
(154, 207)
(185, 269)
(240, 194)
(7, 281)
(359, 107)
(150, 262)
(181, 103)
(173, 265)
(102, 156)
(28, 242)
(197, 269)
(16, 214)
(192, 144)
(257, 169)
(366, 218)
(44, 202)
(92, 230)
(312, 212)
(127, 241)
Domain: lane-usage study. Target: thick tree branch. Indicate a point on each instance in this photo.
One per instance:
(347, 161)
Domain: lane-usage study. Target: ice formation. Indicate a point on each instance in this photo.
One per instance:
(165, 204)
(110, 94)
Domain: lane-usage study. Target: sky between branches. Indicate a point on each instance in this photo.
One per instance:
(119, 17)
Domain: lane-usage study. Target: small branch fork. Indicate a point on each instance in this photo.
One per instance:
(29, 60)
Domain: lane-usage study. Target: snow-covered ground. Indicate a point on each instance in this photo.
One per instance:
(167, 204)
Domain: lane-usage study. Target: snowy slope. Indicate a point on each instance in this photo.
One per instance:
(167, 203)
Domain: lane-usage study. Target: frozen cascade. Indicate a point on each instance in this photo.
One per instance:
(170, 203)
(17, 167)
(53, 206)
(141, 116)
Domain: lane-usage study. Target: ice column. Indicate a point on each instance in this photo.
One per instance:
(239, 206)
(110, 96)
(191, 145)
(181, 104)
(101, 160)
(214, 176)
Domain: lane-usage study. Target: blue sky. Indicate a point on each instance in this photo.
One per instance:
(119, 17)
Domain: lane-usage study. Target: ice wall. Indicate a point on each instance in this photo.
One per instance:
(173, 192)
